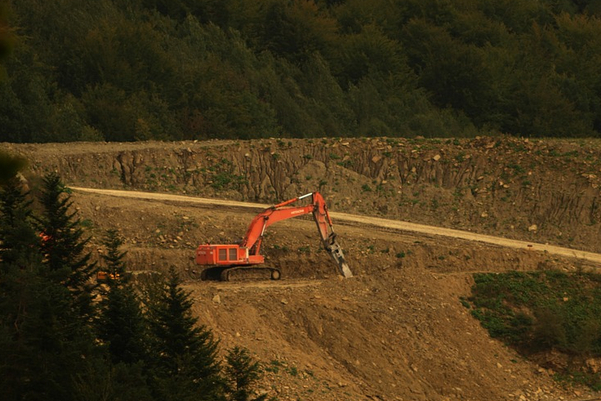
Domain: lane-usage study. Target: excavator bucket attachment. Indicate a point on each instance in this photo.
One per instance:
(335, 250)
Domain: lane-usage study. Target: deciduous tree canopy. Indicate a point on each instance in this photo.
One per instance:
(127, 70)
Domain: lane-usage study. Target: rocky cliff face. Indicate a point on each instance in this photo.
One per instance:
(544, 191)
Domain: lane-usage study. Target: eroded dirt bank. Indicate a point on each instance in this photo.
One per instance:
(539, 190)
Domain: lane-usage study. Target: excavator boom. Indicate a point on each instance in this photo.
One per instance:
(247, 253)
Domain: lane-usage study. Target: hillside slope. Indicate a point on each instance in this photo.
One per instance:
(396, 331)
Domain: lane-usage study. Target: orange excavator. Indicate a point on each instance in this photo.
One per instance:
(221, 260)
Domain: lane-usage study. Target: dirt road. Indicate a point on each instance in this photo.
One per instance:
(369, 221)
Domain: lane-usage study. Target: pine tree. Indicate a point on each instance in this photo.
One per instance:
(63, 245)
(113, 259)
(19, 258)
(44, 342)
(121, 327)
(121, 324)
(242, 373)
(185, 364)
(20, 244)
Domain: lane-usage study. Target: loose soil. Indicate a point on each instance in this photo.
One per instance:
(398, 329)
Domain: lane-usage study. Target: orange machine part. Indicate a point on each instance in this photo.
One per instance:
(226, 255)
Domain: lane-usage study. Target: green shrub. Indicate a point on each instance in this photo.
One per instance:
(541, 311)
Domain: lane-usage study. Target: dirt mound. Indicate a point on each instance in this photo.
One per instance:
(396, 331)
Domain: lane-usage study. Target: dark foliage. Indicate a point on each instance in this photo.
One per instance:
(185, 364)
(122, 327)
(10, 166)
(55, 346)
(63, 244)
(38, 320)
(243, 373)
(20, 243)
(127, 70)
(6, 39)
(43, 341)
(114, 264)
(121, 324)
(543, 311)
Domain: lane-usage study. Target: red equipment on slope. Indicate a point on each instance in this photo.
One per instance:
(227, 258)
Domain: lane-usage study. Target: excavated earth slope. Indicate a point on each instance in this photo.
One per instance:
(398, 329)
(545, 191)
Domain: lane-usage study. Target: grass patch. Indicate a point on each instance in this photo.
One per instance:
(86, 223)
(537, 312)
(222, 176)
(304, 249)
(274, 366)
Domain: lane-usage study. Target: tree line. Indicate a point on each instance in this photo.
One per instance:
(64, 336)
(126, 70)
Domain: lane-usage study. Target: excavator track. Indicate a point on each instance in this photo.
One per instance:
(228, 273)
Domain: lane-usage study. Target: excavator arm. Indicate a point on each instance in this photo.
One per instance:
(247, 253)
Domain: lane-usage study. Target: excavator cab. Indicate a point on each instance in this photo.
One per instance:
(221, 255)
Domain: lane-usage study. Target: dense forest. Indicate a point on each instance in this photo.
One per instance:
(68, 333)
(126, 70)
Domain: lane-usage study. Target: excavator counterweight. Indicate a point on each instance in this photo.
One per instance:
(225, 258)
